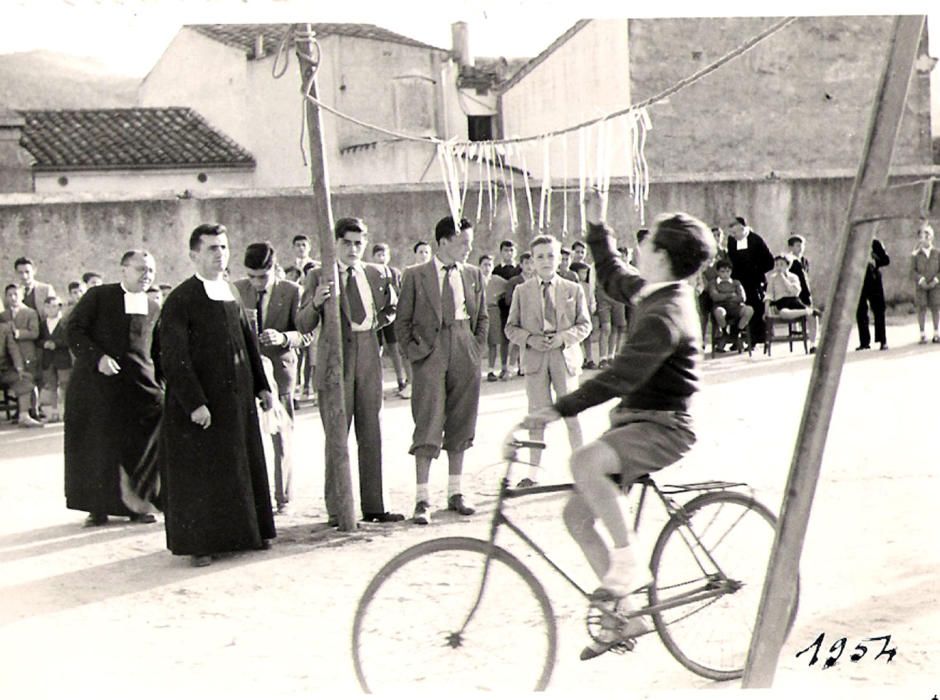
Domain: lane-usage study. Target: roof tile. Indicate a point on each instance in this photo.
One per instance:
(147, 138)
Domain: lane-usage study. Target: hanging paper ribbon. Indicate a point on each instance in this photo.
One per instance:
(528, 191)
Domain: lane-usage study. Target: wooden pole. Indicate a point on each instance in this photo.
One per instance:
(332, 404)
(872, 177)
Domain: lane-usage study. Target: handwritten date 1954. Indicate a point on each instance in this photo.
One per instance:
(836, 650)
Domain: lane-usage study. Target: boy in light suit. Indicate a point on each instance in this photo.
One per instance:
(548, 319)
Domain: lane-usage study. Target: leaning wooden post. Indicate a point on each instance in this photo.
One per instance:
(870, 183)
(332, 405)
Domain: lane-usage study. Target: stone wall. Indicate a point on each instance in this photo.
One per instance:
(69, 234)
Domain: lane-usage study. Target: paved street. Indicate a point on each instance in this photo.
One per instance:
(109, 611)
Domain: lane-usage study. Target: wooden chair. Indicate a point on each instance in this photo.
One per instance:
(745, 336)
(796, 331)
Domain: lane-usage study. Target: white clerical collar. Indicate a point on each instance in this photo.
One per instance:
(217, 290)
(651, 287)
(135, 302)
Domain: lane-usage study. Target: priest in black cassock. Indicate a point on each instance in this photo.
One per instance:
(216, 496)
(113, 404)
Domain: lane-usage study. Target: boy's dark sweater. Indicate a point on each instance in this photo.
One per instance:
(656, 369)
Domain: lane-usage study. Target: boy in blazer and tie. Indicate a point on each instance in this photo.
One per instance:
(275, 306)
(549, 319)
(366, 305)
(442, 325)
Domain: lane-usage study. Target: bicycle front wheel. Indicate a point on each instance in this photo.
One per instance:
(724, 563)
(430, 619)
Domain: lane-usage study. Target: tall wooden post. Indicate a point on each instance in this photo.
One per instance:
(869, 189)
(332, 405)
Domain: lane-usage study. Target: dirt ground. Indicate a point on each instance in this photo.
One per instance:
(110, 612)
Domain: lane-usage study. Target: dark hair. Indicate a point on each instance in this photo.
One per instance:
(309, 266)
(722, 264)
(566, 251)
(641, 234)
(131, 254)
(781, 257)
(154, 289)
(485, 256)
(578, 244)
(446, 228)
(506, 244)
(195, 239)
(54, 299)
(88, 275)
(741, 220)
(75, 285)
(22, 261)
(292, 270)
(525, 256)
(260, 256)
(419, 244)
(166, 287)
(688, 242)
(349, 225)
(795, 239)
(578, 266)
(380, 246)
(299, 237)
(9, 287)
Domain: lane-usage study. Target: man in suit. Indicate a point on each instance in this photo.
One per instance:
(549, 319)
(751, 260)
(276, 305)
(442, 325)
(873, 294)
(365, 306)
(34, 292)
(25, 326)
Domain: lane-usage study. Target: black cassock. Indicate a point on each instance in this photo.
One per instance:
(111, 422)
(215, 482)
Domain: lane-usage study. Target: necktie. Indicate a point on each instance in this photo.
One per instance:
(448, 303)
(258, 308)
(357, 310)
(549, 306)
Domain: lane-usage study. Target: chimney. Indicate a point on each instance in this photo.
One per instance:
(16, 163)
(259, 47)
(460, 42)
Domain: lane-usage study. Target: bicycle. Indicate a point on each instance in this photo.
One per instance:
(689, 583)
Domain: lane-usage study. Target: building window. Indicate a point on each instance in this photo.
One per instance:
(414, 104)
(480, 128)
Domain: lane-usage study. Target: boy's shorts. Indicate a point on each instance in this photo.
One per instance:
(732, 313)
(646, 441)
(618, 314)
(787, 303)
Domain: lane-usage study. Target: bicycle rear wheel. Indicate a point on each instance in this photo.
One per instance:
(414, 628)
(710, 637)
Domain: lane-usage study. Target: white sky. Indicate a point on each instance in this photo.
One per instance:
(129, 35)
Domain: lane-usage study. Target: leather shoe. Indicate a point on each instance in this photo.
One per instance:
(863, 347)
(143, 518)
(456, 503)
(385, 517)
(422, 514)
(200, 560)
(265, 544)
(96, 519)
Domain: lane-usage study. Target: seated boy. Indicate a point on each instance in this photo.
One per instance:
(728, 305)
(654, 375)
(783, 292)
(548, 319)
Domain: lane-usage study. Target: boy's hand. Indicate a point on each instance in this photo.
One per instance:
(539, 342)
(556, 341)
(540, 418)
(594, 207)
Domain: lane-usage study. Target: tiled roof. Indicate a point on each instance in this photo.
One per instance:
(487, 73)
(243, 36)
(549, 50)
(133, 139)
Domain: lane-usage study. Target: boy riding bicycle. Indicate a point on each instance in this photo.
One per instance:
(654, 375)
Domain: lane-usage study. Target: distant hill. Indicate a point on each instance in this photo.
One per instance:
(50, 80)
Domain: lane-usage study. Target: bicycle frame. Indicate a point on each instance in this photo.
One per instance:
(716, 585)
